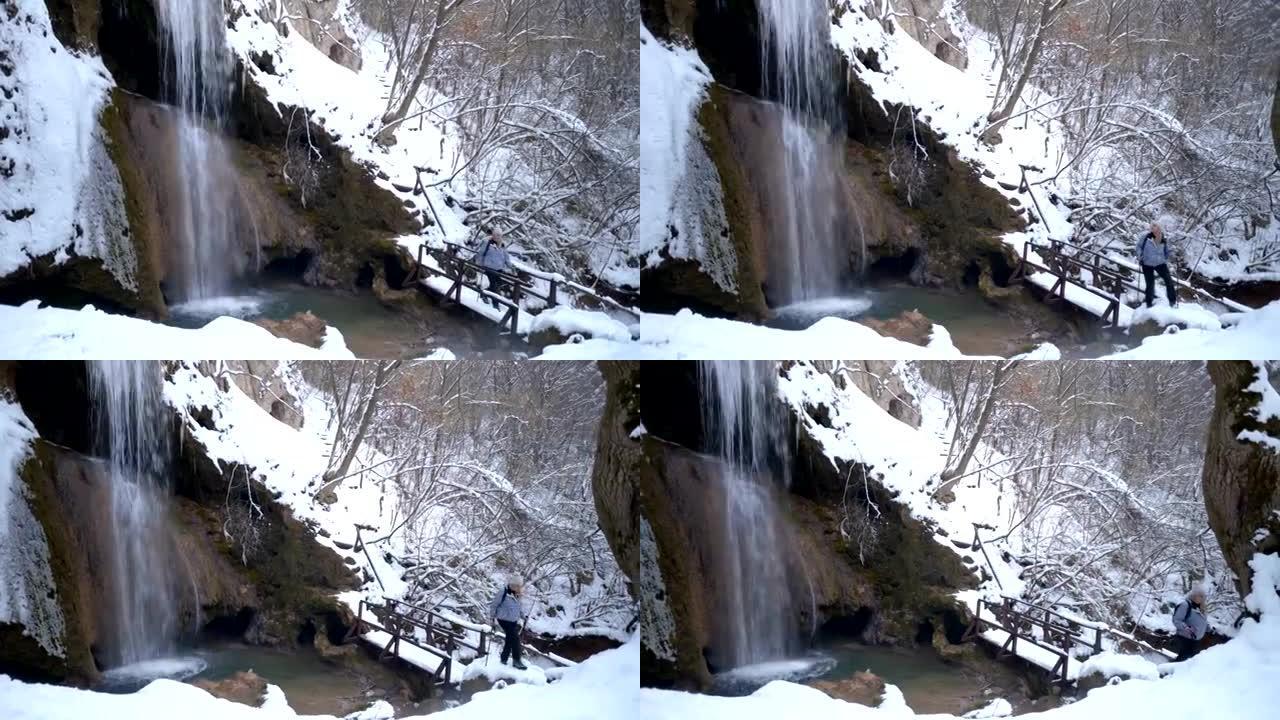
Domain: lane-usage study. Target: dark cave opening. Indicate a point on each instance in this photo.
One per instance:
(290, 267)
(924, 633)
(894, 267)
(54, 395)
(234, 626)
(364, 278)
(849, 626)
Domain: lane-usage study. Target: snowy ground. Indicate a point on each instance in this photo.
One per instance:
(32, 332)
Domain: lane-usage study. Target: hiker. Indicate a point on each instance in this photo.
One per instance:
(493, 258)
(1189, 623)
(1153, 255)
(506, 609)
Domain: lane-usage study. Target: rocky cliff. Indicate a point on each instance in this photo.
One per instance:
(339, 233)
(898, 591)
(944, 230)
(273, 586)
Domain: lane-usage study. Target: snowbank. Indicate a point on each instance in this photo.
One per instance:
(61, 195)
(32, 332)
(28, 595)
(682, 206)
(688, 335)
(572, 321)
(1249, 336)
(1109, 664)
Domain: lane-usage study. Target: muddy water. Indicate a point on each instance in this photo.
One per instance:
(370, 329)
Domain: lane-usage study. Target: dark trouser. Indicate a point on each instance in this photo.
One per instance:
(1149, 272)
(511, 647)
(495, 282)
(1186, 647)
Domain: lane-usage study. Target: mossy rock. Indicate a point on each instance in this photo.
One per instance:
(20, 655)
(144, 226)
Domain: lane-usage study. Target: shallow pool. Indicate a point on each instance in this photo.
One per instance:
(370, 329)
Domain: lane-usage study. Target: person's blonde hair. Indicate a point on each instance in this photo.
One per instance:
(1157, 231)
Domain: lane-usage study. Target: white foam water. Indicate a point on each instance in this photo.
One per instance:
(129, 417)
(746, 428)
(795, 37)
(200, 86)
(172, 668)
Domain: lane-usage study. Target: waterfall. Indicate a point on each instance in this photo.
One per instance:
(199, 81)
(129, 419)
(795, 37)
(746, 427)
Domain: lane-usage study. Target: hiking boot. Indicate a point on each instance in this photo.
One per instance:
(519, 665)
(502, 660)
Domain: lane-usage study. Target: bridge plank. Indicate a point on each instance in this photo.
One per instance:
(416, 656)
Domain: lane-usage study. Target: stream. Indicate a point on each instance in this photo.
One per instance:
(977, 327)
(928, 684)
(370, 329)
(312, 685)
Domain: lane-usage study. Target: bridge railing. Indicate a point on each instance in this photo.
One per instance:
(441, 630)
(400, 629)
(1041, 627)
(1110, 278)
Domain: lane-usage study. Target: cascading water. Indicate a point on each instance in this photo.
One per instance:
(200, 86)
(796, 49)
(128, 417)
(746, 427)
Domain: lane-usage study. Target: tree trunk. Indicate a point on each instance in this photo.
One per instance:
(984, 417)
(370, 408)
(1241, 477)
(1275, 117)
(392, 119)
(1048, 11)
(617, 465)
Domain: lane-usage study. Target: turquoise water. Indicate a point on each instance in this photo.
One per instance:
(370, 329)
(928, 684)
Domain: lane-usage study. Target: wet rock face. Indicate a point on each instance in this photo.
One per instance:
(945, 218)
(340, 223)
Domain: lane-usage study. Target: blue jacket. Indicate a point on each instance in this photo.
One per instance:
(492, 257)
(506, 606)
(1152, 253)
(1189, 621)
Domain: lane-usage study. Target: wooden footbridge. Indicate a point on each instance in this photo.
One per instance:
(1043, 637)
(1092, 281)
(423, 638)
(426, 639)
(1055, 641)
(450, 270)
